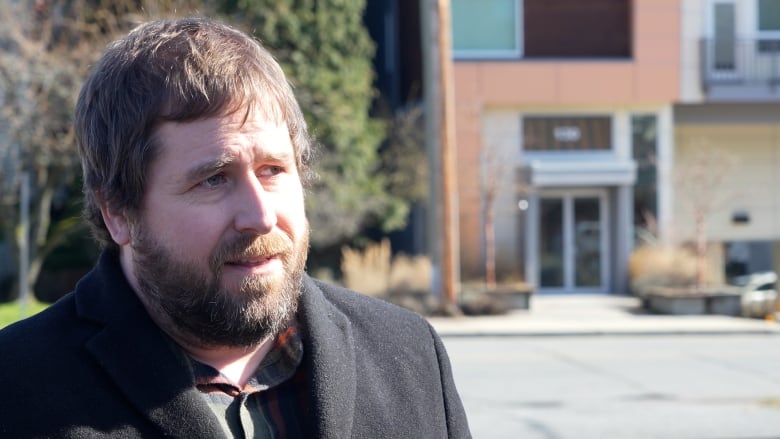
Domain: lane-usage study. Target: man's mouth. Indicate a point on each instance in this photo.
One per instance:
(253, 261)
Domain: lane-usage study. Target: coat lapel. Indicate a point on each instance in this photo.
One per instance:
(331, 361)
(142, 362)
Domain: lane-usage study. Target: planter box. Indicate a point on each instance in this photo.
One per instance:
(515, 299)
(686, 301)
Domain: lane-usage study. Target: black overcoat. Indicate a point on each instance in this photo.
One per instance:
(95, 365)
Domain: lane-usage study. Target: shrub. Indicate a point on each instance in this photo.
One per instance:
(661, 266)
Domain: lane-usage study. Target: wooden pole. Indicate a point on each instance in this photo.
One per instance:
(440, 141)
(450, 234)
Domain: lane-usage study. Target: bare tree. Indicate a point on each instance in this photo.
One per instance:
(701, 179)
(493, 171)
(42, 59)
(496, 166)
(46, 48)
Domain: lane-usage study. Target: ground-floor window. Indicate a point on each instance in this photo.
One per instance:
(644, 146)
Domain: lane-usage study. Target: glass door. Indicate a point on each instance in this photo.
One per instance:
(551, 240)
(573, 242)
(724, 44)
(587, 242)
(721, 46)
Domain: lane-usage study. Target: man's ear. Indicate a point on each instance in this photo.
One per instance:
(117, 224)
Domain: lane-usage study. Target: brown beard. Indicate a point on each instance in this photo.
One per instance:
(194, 308)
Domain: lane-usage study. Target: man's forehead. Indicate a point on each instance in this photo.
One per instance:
(222, 136)
(261, 107)
(259, 103)
(240, 120)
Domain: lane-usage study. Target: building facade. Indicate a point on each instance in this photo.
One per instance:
(570, 106)
(729, 112)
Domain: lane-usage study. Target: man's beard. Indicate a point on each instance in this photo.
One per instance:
(195, 308)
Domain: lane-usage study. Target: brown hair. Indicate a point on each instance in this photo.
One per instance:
(181, 70)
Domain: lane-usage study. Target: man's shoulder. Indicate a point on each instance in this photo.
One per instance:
(347, 300)
(39, 330)
(42, 347)
(373, 315)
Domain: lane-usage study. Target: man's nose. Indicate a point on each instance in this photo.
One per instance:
(255, 211)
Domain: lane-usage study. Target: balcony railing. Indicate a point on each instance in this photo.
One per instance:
(747, 63)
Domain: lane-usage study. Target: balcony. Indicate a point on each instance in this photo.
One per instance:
(744, 70)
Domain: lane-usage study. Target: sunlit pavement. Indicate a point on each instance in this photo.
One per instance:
(584, 315)
(598, 367)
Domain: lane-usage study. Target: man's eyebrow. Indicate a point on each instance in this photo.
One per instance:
(208, 168)
(277, 156)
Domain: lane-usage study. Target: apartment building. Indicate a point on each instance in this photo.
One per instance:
(570, 105)
(729, 111)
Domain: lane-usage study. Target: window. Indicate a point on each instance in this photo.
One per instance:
(724, 49)
(567, 133)
(768, 25)
(486, 28)
(541, 28)
(577, 28)
(644, 143)
(768, 15)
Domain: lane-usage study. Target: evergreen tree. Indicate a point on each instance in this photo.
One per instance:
(327, 53)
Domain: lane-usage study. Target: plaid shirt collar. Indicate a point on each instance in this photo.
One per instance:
(278, 366)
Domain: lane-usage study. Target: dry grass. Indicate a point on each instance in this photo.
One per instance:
(405, 281)
(410, 274)
(375, 272)
(367, 271)
(652, 265)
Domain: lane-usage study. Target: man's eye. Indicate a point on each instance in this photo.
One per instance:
(214, 181)
(270, 171)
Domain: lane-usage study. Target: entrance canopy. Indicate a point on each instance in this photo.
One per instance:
(560, 173)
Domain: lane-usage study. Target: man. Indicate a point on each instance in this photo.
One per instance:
(198, 320)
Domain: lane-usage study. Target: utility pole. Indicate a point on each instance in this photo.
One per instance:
(440, 140)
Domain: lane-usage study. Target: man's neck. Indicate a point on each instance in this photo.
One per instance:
(236, 364)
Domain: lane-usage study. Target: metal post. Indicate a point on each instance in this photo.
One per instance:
(430, 48)
(24, 239)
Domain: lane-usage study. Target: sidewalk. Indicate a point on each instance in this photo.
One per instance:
(574, 315)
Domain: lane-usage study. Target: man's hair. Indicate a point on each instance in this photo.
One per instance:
(170, 71)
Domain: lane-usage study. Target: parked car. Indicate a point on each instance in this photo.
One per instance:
(759, 293)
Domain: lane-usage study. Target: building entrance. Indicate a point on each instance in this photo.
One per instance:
(573, 241)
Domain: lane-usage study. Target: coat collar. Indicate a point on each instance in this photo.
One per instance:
(127, 343)
(329, 351)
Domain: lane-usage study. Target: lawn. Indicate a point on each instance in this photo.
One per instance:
(12, 311)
